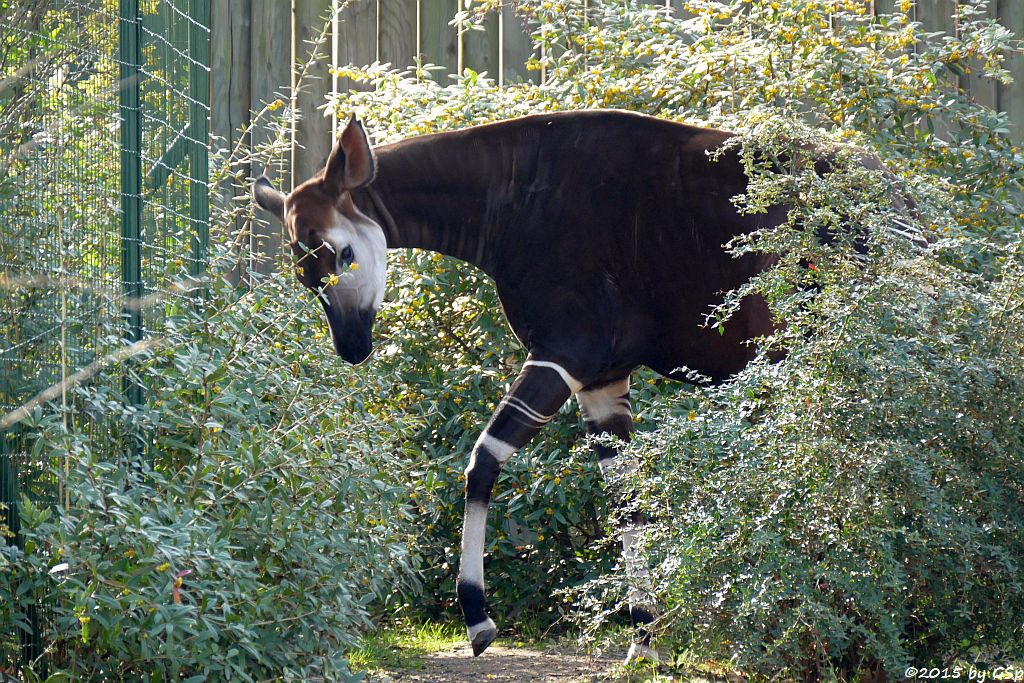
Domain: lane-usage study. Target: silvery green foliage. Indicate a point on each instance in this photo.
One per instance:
(856, 506)
(248, 525)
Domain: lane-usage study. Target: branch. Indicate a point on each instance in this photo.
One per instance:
(88, 372)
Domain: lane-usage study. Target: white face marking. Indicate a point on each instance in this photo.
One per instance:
(360, 287)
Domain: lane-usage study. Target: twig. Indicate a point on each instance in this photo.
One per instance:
(88, 372)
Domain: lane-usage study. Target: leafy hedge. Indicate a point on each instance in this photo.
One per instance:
(247, 536)
(857, 507)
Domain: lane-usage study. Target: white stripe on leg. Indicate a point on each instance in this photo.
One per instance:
(471, 565)
(600, 405)
(570, 381)
(639, 578)
(496, 447)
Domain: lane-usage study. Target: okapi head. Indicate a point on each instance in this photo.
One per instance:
(339, 251)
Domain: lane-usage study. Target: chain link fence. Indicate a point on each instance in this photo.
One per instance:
(104, 203)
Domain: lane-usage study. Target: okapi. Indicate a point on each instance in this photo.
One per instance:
(603, 232)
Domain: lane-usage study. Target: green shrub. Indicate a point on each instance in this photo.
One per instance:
(251, 529)
(857, 507)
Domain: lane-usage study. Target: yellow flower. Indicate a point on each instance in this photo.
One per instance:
(164, 567)
(332, 280)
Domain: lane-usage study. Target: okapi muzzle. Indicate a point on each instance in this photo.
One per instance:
(340, 252)
(351, 331)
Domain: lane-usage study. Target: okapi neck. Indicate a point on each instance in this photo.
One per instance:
(453, 193)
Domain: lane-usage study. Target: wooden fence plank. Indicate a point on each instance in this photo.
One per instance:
(313, 130)
(516, 48)
(1010, 98)
(230, 95)
(480, 48)
(982, 90)
(271, 78)
(356, 39)
(884, 6)
(231, 71)
(398, 38)
(439, 41)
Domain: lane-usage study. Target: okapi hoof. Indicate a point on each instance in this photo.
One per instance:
(639, 651)
(481, 635)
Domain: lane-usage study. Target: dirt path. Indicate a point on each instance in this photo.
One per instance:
(504, 664)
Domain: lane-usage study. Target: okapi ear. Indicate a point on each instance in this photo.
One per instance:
(351, 164)
(268, 197)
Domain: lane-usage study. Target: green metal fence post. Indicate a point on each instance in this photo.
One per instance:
(31, 641)
(199, 125)
(130, 56)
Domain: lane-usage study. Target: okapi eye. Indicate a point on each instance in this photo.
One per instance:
(346, 255)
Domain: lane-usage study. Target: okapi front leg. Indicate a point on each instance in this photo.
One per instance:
(606, 410)
(536, 395)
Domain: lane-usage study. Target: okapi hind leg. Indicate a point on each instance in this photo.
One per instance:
(536, 395)
(606, 410)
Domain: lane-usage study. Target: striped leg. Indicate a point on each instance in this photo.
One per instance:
(606, 410)
(537, 394)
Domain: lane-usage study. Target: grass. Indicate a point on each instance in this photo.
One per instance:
(402, 645)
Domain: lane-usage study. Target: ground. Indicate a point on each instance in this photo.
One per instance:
(505, 664)
(518, 662)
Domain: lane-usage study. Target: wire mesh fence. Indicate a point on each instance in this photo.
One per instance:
(104, 205)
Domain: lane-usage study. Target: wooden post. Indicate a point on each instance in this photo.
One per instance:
(230, 96)
(271, 59)
(1010, 98)
(312, 143)
(438, 41)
